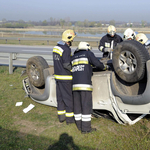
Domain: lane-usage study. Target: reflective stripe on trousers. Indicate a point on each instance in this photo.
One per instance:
(84, 87)
(77, 117)
(69, 114)
(86, 117)
(82, 117)
(64, 112)
(61, 112)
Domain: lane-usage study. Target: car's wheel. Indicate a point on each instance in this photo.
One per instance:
(129, 59)
(35, 66)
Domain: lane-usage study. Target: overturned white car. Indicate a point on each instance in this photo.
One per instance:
(123, 91)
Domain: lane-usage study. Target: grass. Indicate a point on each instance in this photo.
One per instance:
(41, 43)
(38, 42)
(39, 129)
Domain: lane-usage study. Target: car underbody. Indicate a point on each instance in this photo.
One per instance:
(125, 102)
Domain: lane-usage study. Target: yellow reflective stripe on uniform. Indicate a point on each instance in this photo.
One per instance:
(80, 61)
(101, 48)
(62, 112)
(83, 87)
(107, 44)
(58, 50)
(69, 114)
(63, 77)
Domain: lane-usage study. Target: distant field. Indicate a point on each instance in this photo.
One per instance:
(5, 35)
(84, 29)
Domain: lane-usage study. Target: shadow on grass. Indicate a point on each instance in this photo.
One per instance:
(65, 143)
(20, 141)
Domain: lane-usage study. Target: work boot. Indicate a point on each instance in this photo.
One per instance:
(62, 118)
(85, 132)
(61, 121)
(68, 123)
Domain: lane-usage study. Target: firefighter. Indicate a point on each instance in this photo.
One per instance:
(63, 76)
(109, 41)
(129, 34)
(142, 38)
(82, 60)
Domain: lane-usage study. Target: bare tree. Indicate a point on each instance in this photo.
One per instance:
(112, 22)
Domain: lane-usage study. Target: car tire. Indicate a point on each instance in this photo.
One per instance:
(35, 66)
(129, 60)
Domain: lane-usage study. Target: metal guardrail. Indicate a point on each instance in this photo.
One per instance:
(21, 59)
(12, 57)
(48, 39)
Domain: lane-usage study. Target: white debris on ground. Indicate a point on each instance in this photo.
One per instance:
(28, 108)
(25, 110)
(19, 103)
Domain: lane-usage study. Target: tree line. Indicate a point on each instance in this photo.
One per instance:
(67, 22)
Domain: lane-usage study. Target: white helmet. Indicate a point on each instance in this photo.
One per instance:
(84, 46)
(142, 38)
(111, 30)
(129, 34)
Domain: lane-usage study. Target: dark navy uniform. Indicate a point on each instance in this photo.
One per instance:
(63, 77)
(106, 42)
(82, 87)
(147, 45)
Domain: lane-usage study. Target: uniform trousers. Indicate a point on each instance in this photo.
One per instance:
(64, 101)
(83, 109)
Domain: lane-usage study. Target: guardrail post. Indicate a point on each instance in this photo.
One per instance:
(6, 41)
(14, 56)
(97, 43)
(10, 64)
(19, 40)
(47, 42)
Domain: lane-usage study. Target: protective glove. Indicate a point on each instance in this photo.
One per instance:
(107, 67)
(107, 50)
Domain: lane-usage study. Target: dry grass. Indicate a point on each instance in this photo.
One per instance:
(77, 29)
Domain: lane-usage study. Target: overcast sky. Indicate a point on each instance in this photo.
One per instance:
(76, 10)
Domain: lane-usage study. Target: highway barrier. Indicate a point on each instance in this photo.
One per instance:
(19, 59)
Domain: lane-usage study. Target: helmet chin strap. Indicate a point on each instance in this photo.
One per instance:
(69, 43)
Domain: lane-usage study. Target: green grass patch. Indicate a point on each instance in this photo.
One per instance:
(39, 129)
(40, 42)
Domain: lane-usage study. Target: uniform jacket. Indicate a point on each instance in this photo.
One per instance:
(62, 62)
(106, 42)
(147, 45)
(82, 69)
